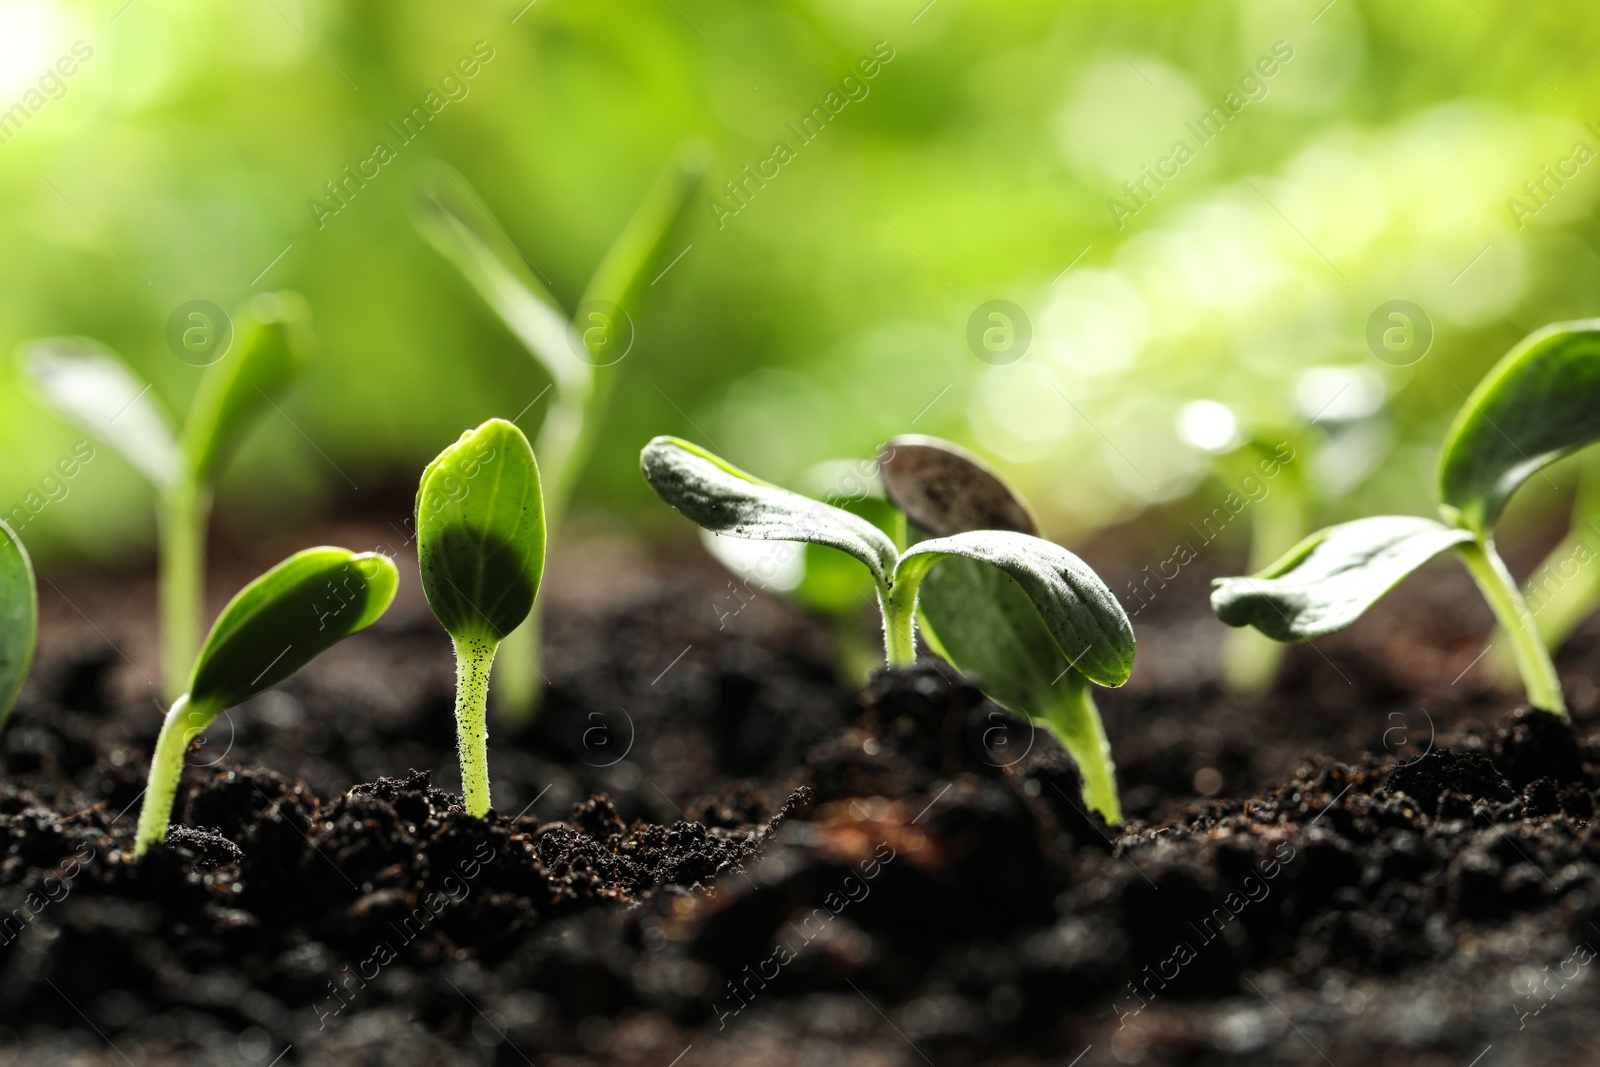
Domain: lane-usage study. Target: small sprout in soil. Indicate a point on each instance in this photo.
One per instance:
(480, 547)
(273, 627)
(97, 391)
(1538, 404)
(574, 351)
(980, 619)
(1027, 585)
(19, 618)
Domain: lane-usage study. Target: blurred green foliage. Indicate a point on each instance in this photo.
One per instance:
(977, 162)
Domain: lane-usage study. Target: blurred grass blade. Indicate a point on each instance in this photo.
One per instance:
(720, 497)
(272, 346)
(1330, 578)
(1081, 614)
(285, 619)
(457, 223)
(648, 244)
(95, 390)
(19, 618)
(481, 532)
(1540, 402)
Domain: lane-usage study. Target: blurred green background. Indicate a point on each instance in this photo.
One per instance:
(1383, 158)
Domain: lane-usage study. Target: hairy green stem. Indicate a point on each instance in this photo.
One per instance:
(1505, 599)
(899, 604)
(1075, 721)
(184, 722)
(185, 510)
(474, 661)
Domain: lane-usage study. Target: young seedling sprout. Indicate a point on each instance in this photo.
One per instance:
(19, 619)
(981, 620)
(1025, 582)
(1539, 403)
(574, 351)
(480, 547)
(96, 390)
(273, 627)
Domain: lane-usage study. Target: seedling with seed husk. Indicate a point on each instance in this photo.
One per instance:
(980, 619)
(480, 547)
(1538, 404)
(273, 627)
(19, 619)
(574, 351)
(1013, 588)
(97, 391)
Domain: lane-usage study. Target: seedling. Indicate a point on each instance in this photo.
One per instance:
(19, 619)
(273, 627)
(1539, 403)
(97, 391)
(981, 621)
(1031, 602)
(480, 547)
(574, 351)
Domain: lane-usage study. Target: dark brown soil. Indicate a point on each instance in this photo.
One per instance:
(1375, 864)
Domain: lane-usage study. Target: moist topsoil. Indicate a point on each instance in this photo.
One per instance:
(708, 850)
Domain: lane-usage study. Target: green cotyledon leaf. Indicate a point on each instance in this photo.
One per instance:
(721, 498)
(272, 346)
(481, 532)
(1324, 583)
(19, 618)
(285, 619)
(83, 380)
(1082, 615)
(1539, 403)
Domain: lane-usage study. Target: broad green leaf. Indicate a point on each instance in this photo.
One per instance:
(19, 618)
(481, 533)
(649, 243)
(1539, 403)
(457, 223)
(272, 346)
(947, 490)
(1330, 578)
(97, 392)
(1082, 615)
(724, 499)
(285, 619)
(979, 619)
